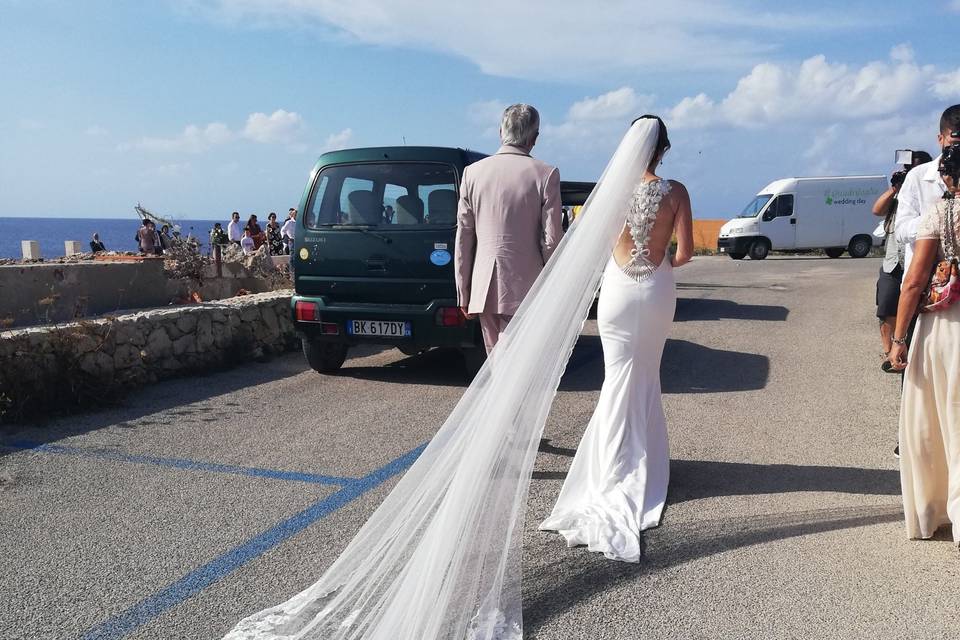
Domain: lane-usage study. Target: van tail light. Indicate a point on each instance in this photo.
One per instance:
(306, 311)
(450, 317)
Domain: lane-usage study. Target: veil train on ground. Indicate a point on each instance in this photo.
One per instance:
(440, 558)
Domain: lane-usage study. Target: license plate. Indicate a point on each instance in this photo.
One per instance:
(723, 249)
(385, 328)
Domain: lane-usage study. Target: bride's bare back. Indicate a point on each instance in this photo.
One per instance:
(674, 216)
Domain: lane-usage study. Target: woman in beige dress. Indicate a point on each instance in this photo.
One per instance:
(930, 409)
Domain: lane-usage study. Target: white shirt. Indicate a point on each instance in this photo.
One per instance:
(248, 245)
(234, 231)
(289, 228)
(921, 190)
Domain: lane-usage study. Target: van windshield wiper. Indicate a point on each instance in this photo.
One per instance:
(361, 228)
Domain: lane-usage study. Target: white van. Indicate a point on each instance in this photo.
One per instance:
(833, 214)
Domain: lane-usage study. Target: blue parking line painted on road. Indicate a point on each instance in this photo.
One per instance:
(177, 463)
(198, 580)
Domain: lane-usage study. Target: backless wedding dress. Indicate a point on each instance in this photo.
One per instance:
(617, 483)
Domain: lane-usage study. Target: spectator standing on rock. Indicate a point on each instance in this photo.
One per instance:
(253, 226)
(146, 238)
(95, 245)
(218, 237)
(274, 239)
(165, 240)
(157, 245)
(248, 244)
(289, 230)
(235, 229)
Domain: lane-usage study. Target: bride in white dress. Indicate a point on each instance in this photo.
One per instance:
(440, 558)
(617, 483)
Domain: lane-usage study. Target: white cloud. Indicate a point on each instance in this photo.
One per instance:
(96, 131)
(619, 103)
(816, 90)
(947, 85)
(822, 150)
(486, 111)
(560, 39)
(193, 139)
(816, 117)
(693, 112)
(864, 146)
(279, 127)
(902, 53)
(337, 140)
(487, 114)
(592, 119)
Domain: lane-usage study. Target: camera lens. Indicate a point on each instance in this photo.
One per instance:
(950, 162)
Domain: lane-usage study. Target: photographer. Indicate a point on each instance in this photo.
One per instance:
(891, 271)
(923, 186)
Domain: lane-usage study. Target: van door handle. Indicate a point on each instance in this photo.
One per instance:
(793, 221)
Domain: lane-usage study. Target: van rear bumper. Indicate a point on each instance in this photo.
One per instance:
(424, 329)
(740, 244)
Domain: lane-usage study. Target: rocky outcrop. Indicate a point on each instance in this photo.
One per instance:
(45, 369)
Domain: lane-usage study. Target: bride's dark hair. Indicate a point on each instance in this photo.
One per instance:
(663, 141)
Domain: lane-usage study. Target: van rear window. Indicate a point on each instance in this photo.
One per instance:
(384, 194)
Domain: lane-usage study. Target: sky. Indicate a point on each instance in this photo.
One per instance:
(196, 108)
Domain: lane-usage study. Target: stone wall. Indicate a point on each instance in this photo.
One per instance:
(90, 362)
(41, 293)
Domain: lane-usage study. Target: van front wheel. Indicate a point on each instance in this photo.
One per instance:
(324, 357)
(759, 249)
(834, 252)
(860, 246)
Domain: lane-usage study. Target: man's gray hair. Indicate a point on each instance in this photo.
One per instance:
(520, 125)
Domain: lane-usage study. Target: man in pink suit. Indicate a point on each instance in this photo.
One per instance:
(508, 224)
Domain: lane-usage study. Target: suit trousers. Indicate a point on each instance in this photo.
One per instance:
(492, 325)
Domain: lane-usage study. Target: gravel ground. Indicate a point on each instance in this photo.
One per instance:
(783, 521)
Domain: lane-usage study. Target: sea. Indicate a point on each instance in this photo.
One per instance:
(116, 233)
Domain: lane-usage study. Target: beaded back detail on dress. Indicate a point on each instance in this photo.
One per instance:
(641, 216)
(948, 229)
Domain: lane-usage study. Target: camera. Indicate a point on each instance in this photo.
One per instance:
(908, 159)
(897, 178)
(950, 162)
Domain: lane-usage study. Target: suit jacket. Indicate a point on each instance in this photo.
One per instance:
(508, 225)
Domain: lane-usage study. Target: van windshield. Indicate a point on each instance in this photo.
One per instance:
(752, 209)
(384, 194)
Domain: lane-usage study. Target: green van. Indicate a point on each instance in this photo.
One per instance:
(373, 254)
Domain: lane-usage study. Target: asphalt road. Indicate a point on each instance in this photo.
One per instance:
(204, 499)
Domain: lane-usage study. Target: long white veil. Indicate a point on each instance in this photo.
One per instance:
(440, 559)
